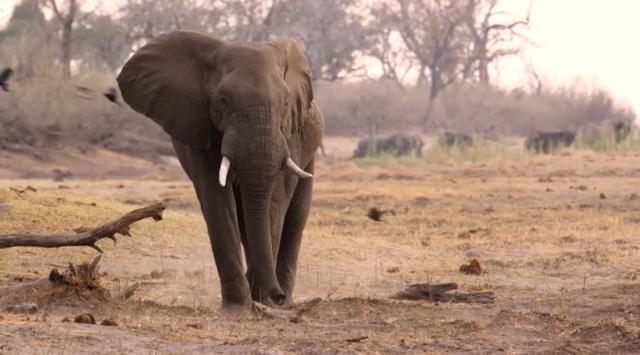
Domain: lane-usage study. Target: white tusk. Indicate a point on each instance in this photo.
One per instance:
(225, 164)
(295, 169)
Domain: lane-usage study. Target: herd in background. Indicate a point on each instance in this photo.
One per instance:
(539, 142)
(398, 144)
(402, 144)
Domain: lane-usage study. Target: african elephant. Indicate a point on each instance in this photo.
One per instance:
(547, 142)
(245, 128)
(399, 144)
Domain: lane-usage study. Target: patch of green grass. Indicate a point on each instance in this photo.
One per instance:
(605, 143)
(507, 149)
(386, 159)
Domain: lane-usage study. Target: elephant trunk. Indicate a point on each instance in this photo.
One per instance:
(256, 201)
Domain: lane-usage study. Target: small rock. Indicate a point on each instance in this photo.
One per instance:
(603, 196)
(86, 318)
(109, 323)
(473, 268)
(393, 269)
(376, 214)
(633, 197)
(66, 320)
(568, 239)
(464, 235)
(195, 326)
(162, 274)
(23, 308)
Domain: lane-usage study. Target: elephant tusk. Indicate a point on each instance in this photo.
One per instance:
(225, 164)
(295, 169)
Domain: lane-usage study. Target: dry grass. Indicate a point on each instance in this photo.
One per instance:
(561, 260)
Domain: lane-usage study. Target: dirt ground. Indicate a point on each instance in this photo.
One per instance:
(556, 236)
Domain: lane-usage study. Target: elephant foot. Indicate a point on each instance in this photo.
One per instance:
(274, 298)
(288, 303)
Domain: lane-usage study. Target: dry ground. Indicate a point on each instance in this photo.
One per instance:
(557, 237)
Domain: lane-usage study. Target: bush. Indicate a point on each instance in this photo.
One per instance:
(48, 113)
(369, 108)
(480, 150)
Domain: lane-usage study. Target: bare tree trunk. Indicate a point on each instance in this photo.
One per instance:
(66, 20)
(483, 67)
(65, 48)
(427, 115)
(434, 90)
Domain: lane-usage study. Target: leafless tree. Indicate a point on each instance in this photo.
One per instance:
(330, 31)
(494, 35)
(434, 33)
(146, 19)
(536, 85)
(384, 47)
(66, 20)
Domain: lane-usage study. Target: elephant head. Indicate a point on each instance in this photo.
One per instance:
(242, 101)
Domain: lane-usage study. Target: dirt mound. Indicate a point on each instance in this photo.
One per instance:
(78, 285)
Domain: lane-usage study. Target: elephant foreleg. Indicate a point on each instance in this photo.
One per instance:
(219, 210)
(294, 223)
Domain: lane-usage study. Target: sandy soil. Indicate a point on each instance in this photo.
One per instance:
(556, 237)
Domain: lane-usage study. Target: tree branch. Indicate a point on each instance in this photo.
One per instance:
(85, 237)
(56, 11)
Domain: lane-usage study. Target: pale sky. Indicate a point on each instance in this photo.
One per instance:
(595, 40)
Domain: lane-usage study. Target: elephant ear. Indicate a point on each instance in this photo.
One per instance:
(298, 79)
(164, 80)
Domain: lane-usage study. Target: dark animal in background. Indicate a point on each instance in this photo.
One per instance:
(547, 142)
(450, 139)
(398, 144)
(244, 125)
(621, 130)
(4, 78)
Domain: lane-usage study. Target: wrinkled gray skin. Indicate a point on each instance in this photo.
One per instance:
(253, 104)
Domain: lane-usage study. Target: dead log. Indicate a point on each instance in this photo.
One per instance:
(442, 293)
(84, 236)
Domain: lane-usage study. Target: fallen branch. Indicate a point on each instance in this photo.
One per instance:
(83, 237)
(440, 293)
